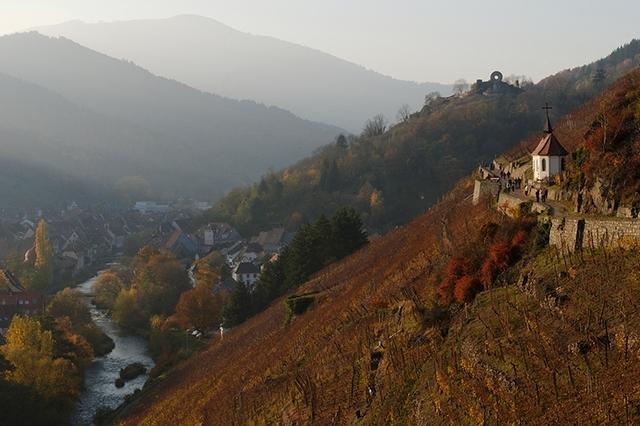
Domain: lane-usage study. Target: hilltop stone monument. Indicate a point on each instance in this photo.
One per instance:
(494, 86)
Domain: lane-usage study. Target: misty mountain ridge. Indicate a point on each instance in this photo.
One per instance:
(116, 119)
(214, 57)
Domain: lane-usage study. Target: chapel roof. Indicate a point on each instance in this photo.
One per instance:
(550, 146)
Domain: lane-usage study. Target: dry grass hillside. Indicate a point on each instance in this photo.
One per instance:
(572, 128)
(366, 327)
(549, 338)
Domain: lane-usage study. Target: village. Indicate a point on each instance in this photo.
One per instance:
(84, 241)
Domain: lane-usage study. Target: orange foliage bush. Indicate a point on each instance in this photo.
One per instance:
(466, 288)
(464, 276)
(496, 261)
(457, 268)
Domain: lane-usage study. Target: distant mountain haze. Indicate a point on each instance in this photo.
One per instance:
(213, 57)
(94, 116)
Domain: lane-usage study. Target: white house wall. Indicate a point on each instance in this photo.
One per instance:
(554, 167)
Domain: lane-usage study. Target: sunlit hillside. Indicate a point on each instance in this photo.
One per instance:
(542, 337)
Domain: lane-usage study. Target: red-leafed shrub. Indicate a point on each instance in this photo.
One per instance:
(497, 260)
(466, 288)
(456, 269)
(493, 252)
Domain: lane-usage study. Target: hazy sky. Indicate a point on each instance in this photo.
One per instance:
(421, 40)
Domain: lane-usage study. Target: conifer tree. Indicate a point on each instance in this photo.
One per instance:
(238, 308)
(323, 232)
(348, 232)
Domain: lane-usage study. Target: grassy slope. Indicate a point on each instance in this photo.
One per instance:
(317, 366)
(560, 349)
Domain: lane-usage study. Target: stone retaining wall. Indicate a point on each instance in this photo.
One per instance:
(483, 188)
(572, 234)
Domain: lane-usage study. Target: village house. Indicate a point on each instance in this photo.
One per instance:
(148, 207)
(233, 253)
(215, 236)
(246, 273)
(16, 300)
(253, 253)
(181, 245)
(272, 241)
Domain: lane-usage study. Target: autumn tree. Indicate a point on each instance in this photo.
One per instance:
(106, 289)
(460, 86)
(158, 281)
(30, 350)
(376, 202)
(404, 113)
(68, 303)
(43, 267)
(199, 308)
(76, 335)
(22, 405)
(457, 268)
(431, 97)
(375, 126)
(126, 311)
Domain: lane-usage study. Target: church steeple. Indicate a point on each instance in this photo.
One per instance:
(548, 129)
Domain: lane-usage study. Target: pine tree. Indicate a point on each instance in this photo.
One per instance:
(324, 251)
(239, 306)
(303, 259)
(272, 281)
(348, 234)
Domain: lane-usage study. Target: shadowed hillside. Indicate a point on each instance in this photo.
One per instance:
(216, 58)
(25, 185)
(181, 140)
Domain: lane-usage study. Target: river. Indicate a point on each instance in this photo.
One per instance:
(99, 381)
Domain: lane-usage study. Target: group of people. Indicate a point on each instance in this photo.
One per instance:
(512, 184)
(509, 185)
(540, 193)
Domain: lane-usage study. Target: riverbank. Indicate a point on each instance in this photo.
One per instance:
(99, 382)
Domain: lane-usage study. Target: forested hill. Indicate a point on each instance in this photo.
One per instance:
(117, 119)
(25, 185)
(213, 57)
(464, 316)
(393, 176)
